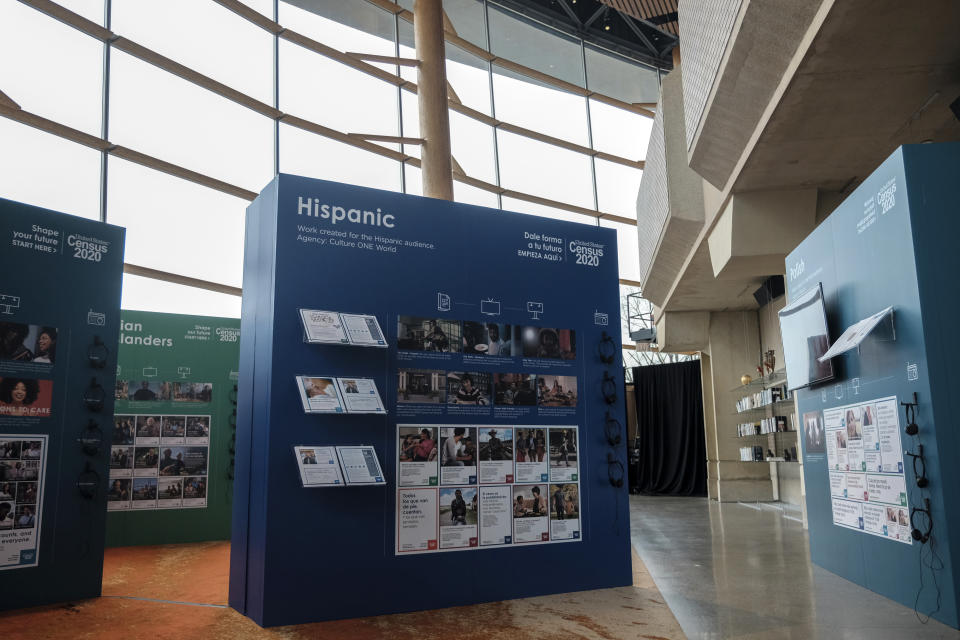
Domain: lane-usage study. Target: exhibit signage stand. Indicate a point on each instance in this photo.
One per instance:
(171, 477)
(879, 436)
(488, 451)
(59, 319)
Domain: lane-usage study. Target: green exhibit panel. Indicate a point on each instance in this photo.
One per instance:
(60, 279)
(878, 417)
(171, 454)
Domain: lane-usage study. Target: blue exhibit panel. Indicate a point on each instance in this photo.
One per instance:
(60, 278)
(302, 555)
(886, 245)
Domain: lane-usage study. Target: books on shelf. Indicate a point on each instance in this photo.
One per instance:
(763, 398)
(773, 424)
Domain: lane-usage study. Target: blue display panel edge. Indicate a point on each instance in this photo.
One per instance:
(892, 242)
(300, 555)
(72, 284)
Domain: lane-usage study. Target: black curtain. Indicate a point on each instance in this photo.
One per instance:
(670, 441)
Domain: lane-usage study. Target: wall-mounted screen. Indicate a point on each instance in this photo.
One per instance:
(803, 325)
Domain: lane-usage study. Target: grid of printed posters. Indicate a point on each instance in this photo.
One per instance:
(159, 462)
(23, 459)
(865, 462)
(483, 486)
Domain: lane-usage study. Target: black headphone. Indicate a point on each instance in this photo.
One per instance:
(97, 353)
(921, 536)
(920, 474)
(612, 430)
(88, 482)
(607, 349)
(609, 388)
(90, 438)
(910, 410)
(614, 470)
(94, 396)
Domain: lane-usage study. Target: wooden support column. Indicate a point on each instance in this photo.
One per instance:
(437, 173)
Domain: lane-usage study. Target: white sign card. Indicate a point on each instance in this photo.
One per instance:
(319, 394)
(323, 326)
(360, 465)
(563, 454)
(459, 512)
(564, 511)
(363, 330)
(496, 455)
(496, 520)
(23, 464)
(416, 520)
(418, 456)
(360, 395)
(318, 466)
(865, 465)
(530, 451)
(458, 455)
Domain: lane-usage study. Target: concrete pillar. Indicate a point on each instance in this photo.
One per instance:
(734, 349)
(436, 170)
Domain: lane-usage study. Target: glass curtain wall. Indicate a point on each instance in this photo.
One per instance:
(192, 228)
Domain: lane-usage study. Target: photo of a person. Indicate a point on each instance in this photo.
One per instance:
(418, 444)
(564, 501)
(6, 515)
(468, 388)
(841, 439)
(32, 450)
(198, 426)
(456, 507)
(148, 426)
(121, 458)
(556, 391)
(145, 457)
(123, 429)
(514, 389)
(12, 337)
(10, 449)
(350, 386)
(170, 489)
(174, 426)
(868, 416)
(529, 502)
(194, 488)
(25, 517)
(454, 447)
(421, 386)
(144, 489)
(813, 433)
(18, 393)
(563, 448)
(121, 390)
(192, 391)
(308, 456)
(523, 445)
(320, 387)
(539, 449)
(8, 491)
(119, 490)
(171, 465)
(45, 348)
(548, 343)
(415, 333)
(26, 492)
(496, 444)
(854, 427)
(144, 393)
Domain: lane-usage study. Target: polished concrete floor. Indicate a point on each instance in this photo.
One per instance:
(744, 571)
